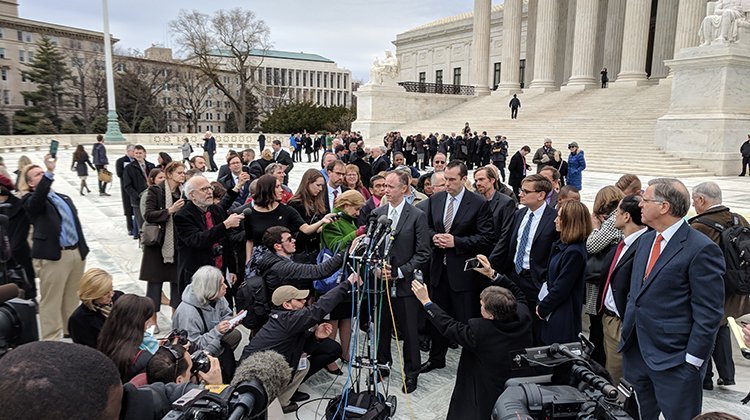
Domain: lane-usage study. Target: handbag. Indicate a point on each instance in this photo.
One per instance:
(324, 285)
(152, 234)
(105, 175)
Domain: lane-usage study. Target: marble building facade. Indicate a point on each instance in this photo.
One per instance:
(553, 43)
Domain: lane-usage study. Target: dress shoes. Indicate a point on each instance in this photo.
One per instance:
(299, 396)
(409, 386)
(291, 408)
(429, 366)
(708, 385)
(725, 382)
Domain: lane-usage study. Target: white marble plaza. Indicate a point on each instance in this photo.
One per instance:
(113, 250)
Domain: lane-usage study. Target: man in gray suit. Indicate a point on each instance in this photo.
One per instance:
(409, 245)
(674, 308)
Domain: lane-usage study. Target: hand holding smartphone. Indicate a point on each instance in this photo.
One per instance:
(53, 146)
(471, 264)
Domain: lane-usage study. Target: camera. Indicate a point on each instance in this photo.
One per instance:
(180, 335)
(17, 324)
(201, 363)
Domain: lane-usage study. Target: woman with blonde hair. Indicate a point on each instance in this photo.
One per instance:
(337, 236)
(23, 162)
(560, 299)
(97, 297)
(23, 187)
(353, 181)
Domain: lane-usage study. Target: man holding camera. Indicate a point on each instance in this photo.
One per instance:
(288, 333)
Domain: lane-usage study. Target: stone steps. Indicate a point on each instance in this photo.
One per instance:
(614, 126)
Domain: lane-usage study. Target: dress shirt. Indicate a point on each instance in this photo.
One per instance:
(456, 203)
(609, 299)
(331, 197)
(68, 232)
(532, 232)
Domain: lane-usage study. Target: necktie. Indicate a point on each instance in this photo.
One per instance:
(521, 251)
(335, 195)
(612, 266)
(218, 259)
(143, 169)
(524, 165)
(655, 252)
(448, 221)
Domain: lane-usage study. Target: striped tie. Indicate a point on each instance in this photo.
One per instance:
(448, 221)
(521, 251)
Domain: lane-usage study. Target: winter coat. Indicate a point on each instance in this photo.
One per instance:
(203, 336)
(576, 165)
(99, 154)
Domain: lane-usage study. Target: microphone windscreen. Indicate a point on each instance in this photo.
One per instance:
(383, 220)
(268, 367)
(8, 292)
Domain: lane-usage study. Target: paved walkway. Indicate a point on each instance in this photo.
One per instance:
(113, 250)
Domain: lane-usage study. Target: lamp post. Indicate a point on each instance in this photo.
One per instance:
(113, 126)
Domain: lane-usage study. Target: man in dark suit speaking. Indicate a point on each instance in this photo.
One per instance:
(674, 308)
(461, 227)
(409, 249)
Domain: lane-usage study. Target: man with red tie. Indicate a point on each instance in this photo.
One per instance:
(674, 308)
(615, 281)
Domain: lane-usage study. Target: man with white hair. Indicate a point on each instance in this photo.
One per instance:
(713, 216)
(203, 233)
(209, 149)
(380, 162)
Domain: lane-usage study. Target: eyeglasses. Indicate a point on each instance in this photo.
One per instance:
(289, 239)
(206, 189)
(528, 191)
(340, 173)
(439, 161)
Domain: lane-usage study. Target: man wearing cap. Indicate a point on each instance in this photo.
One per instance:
(287, 333)
(544, 155)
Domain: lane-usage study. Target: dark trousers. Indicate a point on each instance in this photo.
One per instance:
(524, 281)
(406, 310)
(500, 165)
(211, 162)
(460, 305)
(722, 356)
(596, 336)
(138, 222)
(745, 165)
(514, 113)
(102, 185)
(320, 354)
(153, 292)
(677, 392)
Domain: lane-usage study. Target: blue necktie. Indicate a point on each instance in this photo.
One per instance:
(521, 251)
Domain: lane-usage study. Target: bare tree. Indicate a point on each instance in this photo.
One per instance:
(139, 87)
(192, 92)
(88, 84)
(224, 43)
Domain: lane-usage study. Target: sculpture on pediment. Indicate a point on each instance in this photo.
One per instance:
(385, 71)
(722, 26)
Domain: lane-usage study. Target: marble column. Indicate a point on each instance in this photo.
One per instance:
(635, 43)
(582, 73)
(530, 41)
(690, 14)
(544, 51)
(566, 35)
(509, 75)
(480, 42)
(666, 23)
(613, 37)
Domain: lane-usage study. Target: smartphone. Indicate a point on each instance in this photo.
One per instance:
(472, 263)
(53, 146)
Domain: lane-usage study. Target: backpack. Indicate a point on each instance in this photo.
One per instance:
(324, 285)
(252, 295)
(735, 244)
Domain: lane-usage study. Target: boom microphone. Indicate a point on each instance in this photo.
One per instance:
(258, 380)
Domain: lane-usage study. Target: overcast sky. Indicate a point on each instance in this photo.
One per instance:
(349, 32)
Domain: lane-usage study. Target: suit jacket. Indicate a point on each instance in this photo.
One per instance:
(48, 223)
(380, 164)
(620, 281)
(678, 308)
(134, 182)
(472, 230)
(516, 170)
(541, 247)
(503, 209)
(410, 248)
(485, 362)
(285, 159)
(120, 171)
(364, 212)
(228, 182)
(223, 171)
(195, 241)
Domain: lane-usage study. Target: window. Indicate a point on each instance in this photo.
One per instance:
(338, 80)
(346, 96)
(283, 77)
(120, 67)
(269, 77)
(304, 78)
(457, 76)
(422, 77)
(6, 97)
(4, 73)
(522, 72)
(30, 56)
(28, 38)
(496, 75)
(1, 33)
(23, 77)
(20, 36)
(2, 52)
(22, 56)
(54, 40)
(325, 80)
(439, 77)
(317, 73)
(296, 78)
(209, 103)
(346, 84)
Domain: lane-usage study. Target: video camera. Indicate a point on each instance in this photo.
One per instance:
(244, 400)
(17, 319)
(573, 391)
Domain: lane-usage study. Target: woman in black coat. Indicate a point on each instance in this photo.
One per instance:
(18, 234)
(158, 264)
(80, 160)
(97, 298)
(561, 297)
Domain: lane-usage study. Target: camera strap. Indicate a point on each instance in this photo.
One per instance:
(200, 312)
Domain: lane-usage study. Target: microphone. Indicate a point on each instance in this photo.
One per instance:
(8, 292)
(385, 233)
(383, 223)
(365, 242)
(258, 380)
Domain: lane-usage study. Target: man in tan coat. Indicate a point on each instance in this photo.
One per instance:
(707, 204)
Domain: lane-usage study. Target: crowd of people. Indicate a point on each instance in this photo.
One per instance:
(248, 249)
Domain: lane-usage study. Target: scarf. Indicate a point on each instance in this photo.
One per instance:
(167, 248)
(103, 309)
